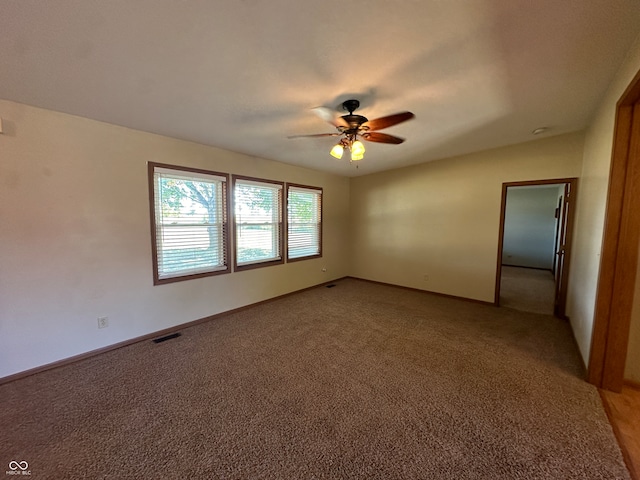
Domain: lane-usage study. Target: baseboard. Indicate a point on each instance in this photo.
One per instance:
(585, 369)
(530, 268)
(438, 294)
(631, 384)
(149, 336)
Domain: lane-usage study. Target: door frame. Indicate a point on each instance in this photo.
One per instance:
(563, 251)
(569, 226)
(619, 258)
(556, 238)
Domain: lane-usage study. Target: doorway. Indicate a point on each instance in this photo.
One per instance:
(534, 245)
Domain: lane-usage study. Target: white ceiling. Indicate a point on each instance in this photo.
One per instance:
(244, 74)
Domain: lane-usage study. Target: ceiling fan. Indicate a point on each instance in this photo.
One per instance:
(351, 127)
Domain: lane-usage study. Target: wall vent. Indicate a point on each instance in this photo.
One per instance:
(166, 337)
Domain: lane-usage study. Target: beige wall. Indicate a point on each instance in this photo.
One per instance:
(75, 242)
(441, 219)
(594, 179)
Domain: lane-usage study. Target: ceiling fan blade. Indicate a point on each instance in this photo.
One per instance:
(329, 116)
(389, 121)
(382, 138)
(317, 135)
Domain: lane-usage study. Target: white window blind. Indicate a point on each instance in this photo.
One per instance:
(304, 222)
(190, 215)
(258, 221)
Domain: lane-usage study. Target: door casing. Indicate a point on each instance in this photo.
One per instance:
(619, 258)
(561, 299)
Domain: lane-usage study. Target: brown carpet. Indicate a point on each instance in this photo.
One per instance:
(527, 289)
(356, 381)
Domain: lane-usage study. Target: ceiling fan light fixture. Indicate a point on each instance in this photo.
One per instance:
(337, 151)
(355, 157)
(357, 149)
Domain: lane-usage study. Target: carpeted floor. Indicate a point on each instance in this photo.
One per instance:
(357, 381)
(527, 289)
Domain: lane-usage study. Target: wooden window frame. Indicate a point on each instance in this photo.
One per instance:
(157, 280)
(320, 192)
(281, 233)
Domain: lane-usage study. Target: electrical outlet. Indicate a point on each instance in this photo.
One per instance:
(425, 278)
(103, 322)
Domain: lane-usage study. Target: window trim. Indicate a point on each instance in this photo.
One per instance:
(286, 210)
(281, 228)
(151, 167)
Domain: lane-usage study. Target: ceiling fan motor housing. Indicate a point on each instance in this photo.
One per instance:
(353, 121)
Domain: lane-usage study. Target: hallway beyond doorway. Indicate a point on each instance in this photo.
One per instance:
(527, 289)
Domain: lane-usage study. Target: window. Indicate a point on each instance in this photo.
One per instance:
(304, 222)
(189, 212)
(258, 222)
